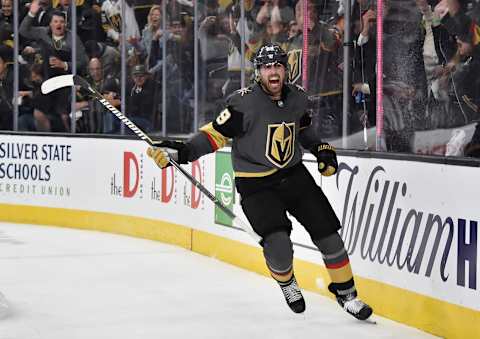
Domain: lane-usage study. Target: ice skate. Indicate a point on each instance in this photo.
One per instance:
(293, 295)
(352, 304)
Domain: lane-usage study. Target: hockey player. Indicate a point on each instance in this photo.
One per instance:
(267, 123)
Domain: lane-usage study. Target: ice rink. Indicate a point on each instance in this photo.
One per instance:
(71, 284)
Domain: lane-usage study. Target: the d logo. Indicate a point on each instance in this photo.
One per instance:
(128, 190)
(280, 143)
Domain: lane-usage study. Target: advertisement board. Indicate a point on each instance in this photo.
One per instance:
(103, 175)
(411, 225)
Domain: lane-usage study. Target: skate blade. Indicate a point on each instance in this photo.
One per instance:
(369, 321)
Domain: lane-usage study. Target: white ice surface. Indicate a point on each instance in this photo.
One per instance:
(72, 284)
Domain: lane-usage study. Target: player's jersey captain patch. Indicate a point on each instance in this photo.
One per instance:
(279, 148)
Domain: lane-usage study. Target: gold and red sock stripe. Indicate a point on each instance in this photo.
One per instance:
(338, 266)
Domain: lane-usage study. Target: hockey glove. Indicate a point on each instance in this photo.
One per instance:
(163, 151)
(326, 159)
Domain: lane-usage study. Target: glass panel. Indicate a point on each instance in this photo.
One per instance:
(316, 63)
(144, 67)
(45, 48)
(99, 27)
(320, 66)
(363, 89)
(214, 41)
(162, 51)
(431, 89)
(429, 55)
(179, 72)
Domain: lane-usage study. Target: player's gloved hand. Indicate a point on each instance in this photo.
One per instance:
(163, 151)
(160, 156)
(326, 159)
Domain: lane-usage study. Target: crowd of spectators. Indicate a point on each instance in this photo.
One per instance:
(431, 66)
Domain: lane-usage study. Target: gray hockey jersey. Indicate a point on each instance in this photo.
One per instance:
(265, 133)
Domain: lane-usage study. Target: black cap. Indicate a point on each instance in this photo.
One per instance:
(139, 70)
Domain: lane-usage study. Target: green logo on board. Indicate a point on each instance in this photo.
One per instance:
(224, 186)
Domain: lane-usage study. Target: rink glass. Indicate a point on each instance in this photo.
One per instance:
(425, 102)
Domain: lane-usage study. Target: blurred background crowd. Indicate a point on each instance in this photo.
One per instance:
(141, 55)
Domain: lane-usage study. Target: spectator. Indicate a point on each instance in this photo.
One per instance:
(464, 67)
(293, 29)
(141, 106)
(6, 34)
(437, 44)
(55, 42)
(234, 63)
(6, 88)
(63, 6)
(179, 69)
(95, 118)
(6, 14)
(56, 48)
(42, 18)
(89, 20)
(364, 69)
(180, 75)
(465, 86)
(47, 8)
(112, 20)
(270, 23)
(273, 18)
(403, 48)
(89, 25)
(142, 10)
(152, 31)
(324, 64)
(6, 23)
(447, 107)
(214, 47)
(42, 119)
(108, 55)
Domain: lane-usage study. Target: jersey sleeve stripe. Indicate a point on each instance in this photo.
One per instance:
(217, 140)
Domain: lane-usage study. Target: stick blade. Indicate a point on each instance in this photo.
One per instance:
(57, 82)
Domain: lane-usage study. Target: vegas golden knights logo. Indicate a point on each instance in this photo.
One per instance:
(280, 143)
(295, 65)
(116, 22)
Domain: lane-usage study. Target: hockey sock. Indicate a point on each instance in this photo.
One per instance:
(278, 252)
(281, 277)
(337, 263)
(342, 286)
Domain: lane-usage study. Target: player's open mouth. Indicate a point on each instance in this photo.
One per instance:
(274, 81)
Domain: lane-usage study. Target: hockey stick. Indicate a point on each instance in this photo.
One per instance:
(61, 81)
